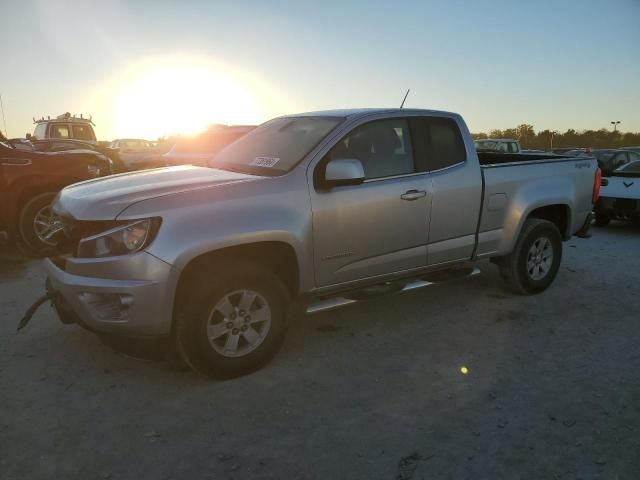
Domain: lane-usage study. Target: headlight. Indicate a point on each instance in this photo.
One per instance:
(126, 238)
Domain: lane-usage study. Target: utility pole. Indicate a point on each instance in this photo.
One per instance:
(615, 125)
(4, 120)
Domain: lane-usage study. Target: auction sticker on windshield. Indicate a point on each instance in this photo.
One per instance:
(264, 161)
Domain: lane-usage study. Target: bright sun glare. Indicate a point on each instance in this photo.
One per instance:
(181, 96)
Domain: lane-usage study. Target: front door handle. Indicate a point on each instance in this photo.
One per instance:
(411, 195)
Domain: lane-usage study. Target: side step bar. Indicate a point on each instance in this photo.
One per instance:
(333, 303)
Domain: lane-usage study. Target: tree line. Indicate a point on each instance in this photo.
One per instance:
(548, 139)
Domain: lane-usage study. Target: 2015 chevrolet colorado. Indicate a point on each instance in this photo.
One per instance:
(307, 208)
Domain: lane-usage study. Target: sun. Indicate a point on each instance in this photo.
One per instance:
(181, 98)
(181, 95)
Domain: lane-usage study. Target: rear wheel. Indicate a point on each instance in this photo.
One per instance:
(39, 228)
(234, 323)
(535, 260)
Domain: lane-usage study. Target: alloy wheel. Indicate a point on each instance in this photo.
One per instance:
(540, 258)
(239, 323)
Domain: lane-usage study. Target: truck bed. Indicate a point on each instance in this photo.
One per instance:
(516, 184)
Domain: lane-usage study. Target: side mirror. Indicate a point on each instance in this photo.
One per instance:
(344, 171)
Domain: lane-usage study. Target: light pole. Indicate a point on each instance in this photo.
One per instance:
(553, 134)
(615, 125)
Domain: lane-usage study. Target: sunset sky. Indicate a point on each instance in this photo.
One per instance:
(151, 68)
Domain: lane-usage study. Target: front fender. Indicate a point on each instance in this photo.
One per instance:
(205, 221)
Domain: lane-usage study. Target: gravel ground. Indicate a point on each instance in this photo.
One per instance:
(374, 391)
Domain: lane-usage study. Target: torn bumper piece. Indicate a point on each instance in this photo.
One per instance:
(112, 305)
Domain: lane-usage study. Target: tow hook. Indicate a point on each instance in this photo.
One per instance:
(51, 295)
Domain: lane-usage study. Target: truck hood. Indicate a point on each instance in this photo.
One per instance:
(105, 198)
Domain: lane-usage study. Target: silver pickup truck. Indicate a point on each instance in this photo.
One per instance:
(317, 210)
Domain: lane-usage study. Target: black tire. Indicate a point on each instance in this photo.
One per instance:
(602, 220)
(194, 314)
(26, 228)
(514, 267)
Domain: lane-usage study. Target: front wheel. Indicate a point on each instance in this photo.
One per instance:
(535, 260)
(233, 323)
(39, 228)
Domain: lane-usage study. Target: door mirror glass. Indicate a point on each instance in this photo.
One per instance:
(344, 171)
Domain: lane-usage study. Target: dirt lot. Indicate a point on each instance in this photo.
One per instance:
(374, 391)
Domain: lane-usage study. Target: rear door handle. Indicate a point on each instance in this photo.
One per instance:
(411, 195)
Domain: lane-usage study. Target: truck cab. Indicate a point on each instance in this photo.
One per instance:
(65, 127)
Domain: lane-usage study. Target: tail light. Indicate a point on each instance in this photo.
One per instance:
(597, 185)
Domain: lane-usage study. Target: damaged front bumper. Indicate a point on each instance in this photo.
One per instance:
(99, 294)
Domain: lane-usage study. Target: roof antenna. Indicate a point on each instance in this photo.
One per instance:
(405, 98)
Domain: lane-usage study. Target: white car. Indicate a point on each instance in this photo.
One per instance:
(505, 145)
(64, 127)
(137, 154)
(620, 196)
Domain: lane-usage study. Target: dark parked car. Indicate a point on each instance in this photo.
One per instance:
(608, 159)
(199, 150)
(30, 180)
(62, 145)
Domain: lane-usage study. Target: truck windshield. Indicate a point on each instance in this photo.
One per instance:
(275, 147)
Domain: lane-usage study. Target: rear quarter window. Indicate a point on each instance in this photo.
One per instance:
(442, 142)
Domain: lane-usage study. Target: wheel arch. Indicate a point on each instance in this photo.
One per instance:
(24, 196)
(559, 214)
(277, 256)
